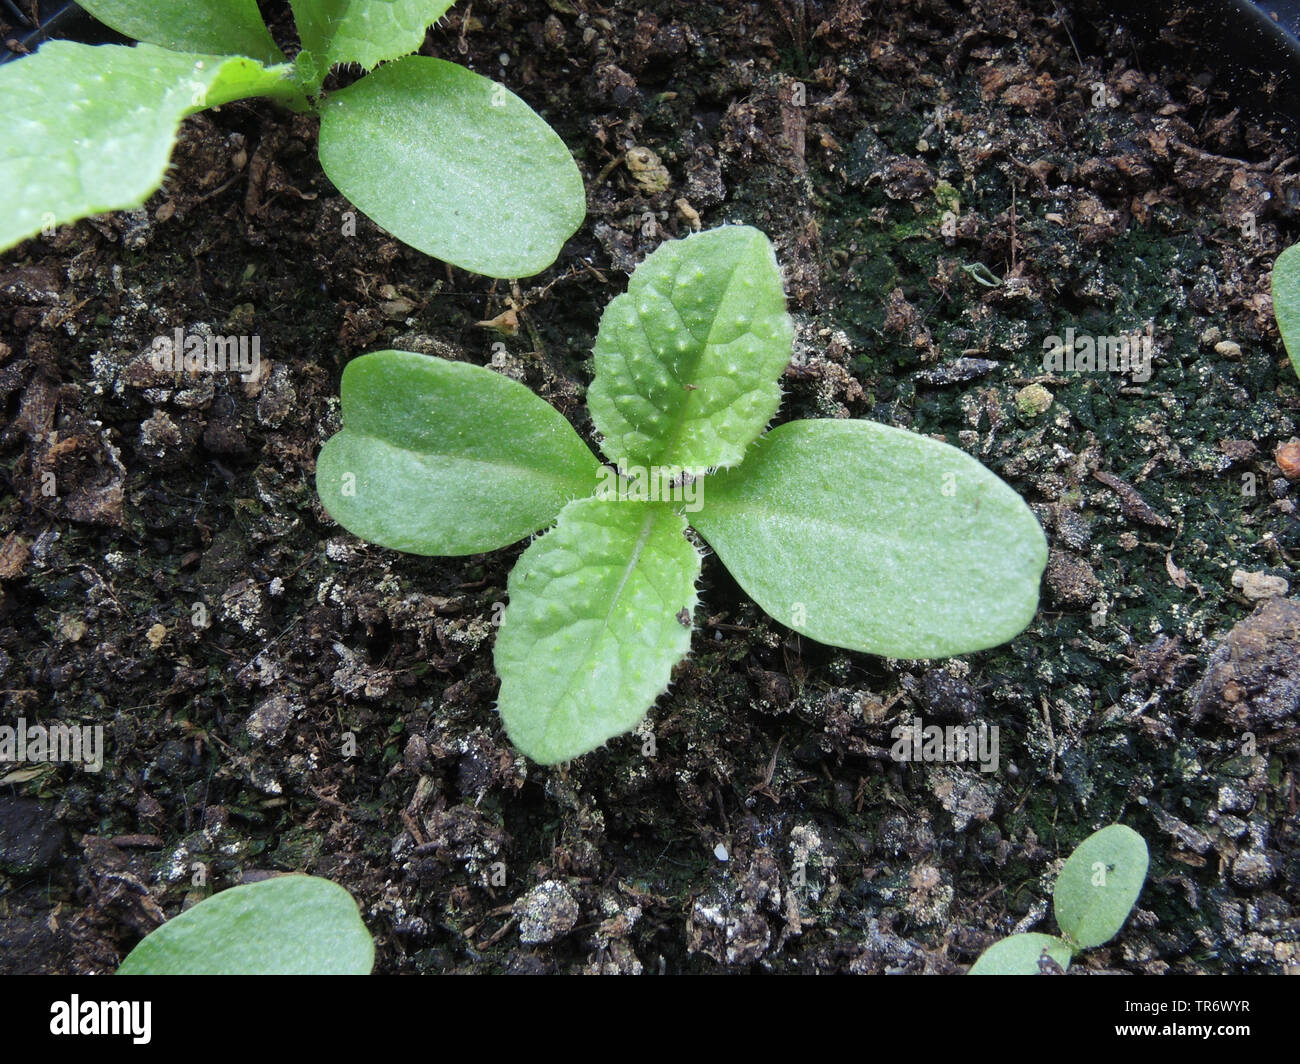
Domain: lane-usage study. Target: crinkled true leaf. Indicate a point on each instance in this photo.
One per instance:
(687, 360)
(1286, 301)
(875, 539)
(86, 129)
(447, 458)
(1100, 884)
(217, 27)
(592, 630)
(289, 925)
(454, 165)
(366, 32)
(1021, 955)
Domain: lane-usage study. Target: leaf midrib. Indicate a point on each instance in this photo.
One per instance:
(664, 455)
(426, 457)
(643, 537)
(873, 532)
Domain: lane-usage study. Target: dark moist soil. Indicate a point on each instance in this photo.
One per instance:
(178, 583)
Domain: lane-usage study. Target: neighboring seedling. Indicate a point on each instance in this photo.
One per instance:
(856, 534)
(289, 925)
(1096, 890)
(448, 161)
(1286, 301)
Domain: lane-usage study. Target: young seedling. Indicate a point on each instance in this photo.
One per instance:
(450, 162)
(289, 925)
(1095, 891)
(850, 532)
(1286, 301)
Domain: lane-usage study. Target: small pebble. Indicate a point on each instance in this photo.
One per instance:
(1257, 586)
(1033, 400)
(1288, 459)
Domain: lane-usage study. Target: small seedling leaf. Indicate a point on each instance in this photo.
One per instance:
(216, 27)
(89, 128)
(447, 458)
(454, 165)
(687, 360)
(365, 32)
(1022, 955)
(1100, 884)
(594, 626)
(289, 925)
(875, 539)
(1286, 301)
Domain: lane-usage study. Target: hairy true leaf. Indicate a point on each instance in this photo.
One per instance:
(289, 925)
(214, 27)
(454, 165)
(365, 32)
(687, 360)
(594, 625)
(1286, 301)
(875, 539)
(446, 458)
(86, 129)
(1100, 884)
(1021, 955)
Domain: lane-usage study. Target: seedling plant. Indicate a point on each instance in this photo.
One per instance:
(1096, 890)
(448, 161)
(849, 532)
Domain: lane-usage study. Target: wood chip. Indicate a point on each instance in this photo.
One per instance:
(14, 553)
(1131, 504)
